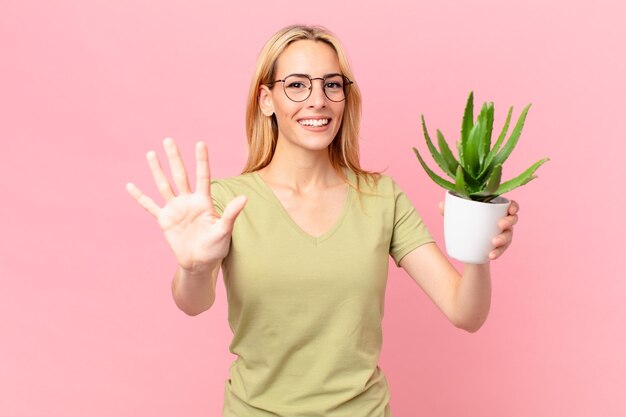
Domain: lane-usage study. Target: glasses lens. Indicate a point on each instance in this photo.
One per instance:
(335, 88)
(297, 87)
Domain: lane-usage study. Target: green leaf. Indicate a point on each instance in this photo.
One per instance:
(488, 165)
(435, 153)
(468, 117)
(486, 142)
(482, 139)
(510, 144)
(473, 185)
(446, 153)
(461, 186)
(436, 178)
(494, 180)
(505, 129)
(492, 184)
(524, 178)
(459, 149)
(470, 150)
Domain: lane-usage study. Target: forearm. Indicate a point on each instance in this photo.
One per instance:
(472, 298)
(195, 292)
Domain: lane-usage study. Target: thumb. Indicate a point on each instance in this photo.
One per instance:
(441, 207)
(232, 210)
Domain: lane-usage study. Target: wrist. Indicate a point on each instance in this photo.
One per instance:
(479, 269)
(198, 270)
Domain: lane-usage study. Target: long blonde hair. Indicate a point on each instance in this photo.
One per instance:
(262, 131)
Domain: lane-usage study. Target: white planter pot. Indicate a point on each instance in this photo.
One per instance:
(469, 226)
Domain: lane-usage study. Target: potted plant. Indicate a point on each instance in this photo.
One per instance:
(473, 203)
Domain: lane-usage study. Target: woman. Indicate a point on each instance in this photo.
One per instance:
(303, 237)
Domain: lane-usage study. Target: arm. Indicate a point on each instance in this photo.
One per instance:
(194, 293)
(464, 299)
(197, 233)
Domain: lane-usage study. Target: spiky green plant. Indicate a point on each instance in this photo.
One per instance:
(478, 170)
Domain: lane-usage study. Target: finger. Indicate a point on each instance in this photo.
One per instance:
(513, 207)
(441, 207)
(508, 222)
(496, 253)
(203, 170)
(232, 210)
(143, 200)
(503, 239)
(179, 173)
(162, 183)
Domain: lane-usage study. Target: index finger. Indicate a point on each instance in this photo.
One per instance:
(203, 171)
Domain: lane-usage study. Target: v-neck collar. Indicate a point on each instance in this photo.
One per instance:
(315, 239)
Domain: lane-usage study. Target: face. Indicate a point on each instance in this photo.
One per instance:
(311, 124)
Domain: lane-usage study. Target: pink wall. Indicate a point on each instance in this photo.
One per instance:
(87, 325)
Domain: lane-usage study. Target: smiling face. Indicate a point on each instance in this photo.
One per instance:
(311, 124)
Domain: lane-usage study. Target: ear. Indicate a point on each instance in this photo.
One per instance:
(265, 101)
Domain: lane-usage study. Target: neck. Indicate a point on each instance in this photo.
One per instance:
(300, 169)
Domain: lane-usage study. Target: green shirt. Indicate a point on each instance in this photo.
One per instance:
(306, 311)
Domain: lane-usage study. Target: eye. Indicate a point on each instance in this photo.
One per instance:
(333, 83)
(296, 85)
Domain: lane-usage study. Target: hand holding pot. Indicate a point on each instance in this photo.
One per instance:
(457, 246)
(505, 238)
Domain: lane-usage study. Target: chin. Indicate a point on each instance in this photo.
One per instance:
(317, 143)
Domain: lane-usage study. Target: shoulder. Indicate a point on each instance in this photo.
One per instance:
(381, 185)
(241, 180)
(378, 195)
(225, 189)
(238, 184)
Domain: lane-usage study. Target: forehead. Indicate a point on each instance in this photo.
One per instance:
(307, 57)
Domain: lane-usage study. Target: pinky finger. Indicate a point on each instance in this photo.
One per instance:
(498, 252)
(143, 200)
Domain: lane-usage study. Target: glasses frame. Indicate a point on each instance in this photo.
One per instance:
(346, 86)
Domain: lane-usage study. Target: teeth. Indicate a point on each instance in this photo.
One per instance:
(314, 122)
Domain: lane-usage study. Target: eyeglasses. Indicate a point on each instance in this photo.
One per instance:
(298, 87)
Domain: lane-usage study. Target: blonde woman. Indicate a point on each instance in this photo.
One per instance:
(303, 237)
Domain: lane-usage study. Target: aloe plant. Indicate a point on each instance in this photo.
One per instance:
(477, 172)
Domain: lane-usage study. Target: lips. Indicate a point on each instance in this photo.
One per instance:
(317, 122)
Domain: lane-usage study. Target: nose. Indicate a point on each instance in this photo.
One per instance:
(317, 97)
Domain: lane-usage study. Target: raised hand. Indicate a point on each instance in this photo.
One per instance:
(196, 233)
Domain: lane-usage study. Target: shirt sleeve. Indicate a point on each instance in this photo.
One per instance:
(218, 195)
(409, 230)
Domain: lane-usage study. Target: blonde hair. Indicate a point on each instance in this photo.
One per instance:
(262, 131)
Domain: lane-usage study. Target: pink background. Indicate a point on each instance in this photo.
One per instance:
(87, 324)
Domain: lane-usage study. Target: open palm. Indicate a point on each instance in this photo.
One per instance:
(197, 234)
